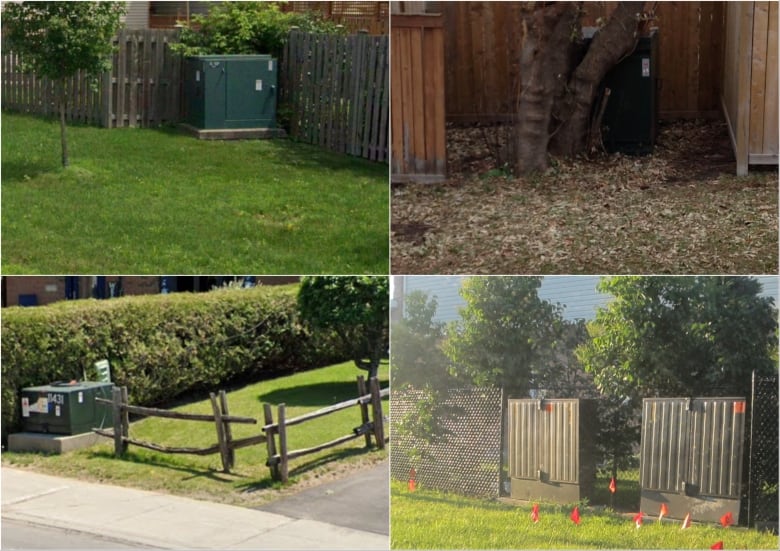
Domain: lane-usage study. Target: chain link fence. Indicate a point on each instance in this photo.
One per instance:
(762, 486)
(456, 447)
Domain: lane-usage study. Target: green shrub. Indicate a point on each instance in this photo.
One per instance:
(160, 346)
(247, 28)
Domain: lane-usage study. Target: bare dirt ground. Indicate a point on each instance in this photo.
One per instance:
(680, 210)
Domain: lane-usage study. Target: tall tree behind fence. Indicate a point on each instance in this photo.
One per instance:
(335, 90)
(142, 88)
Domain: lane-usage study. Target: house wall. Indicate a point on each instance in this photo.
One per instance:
(137, 15)
(577, 294)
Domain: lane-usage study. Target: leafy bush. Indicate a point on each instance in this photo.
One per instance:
(247, 28)
(160, 346)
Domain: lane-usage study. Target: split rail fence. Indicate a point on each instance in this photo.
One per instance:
(274, 433)
(336, 91)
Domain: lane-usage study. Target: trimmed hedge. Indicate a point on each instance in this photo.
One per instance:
(160, 346)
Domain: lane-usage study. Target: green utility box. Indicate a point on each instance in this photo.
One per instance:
(631, 116)
(66, 408)
(230, 91)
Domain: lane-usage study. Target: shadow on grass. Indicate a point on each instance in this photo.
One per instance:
(317, 394)
(19, 171)
(131, 457)
(299, 470)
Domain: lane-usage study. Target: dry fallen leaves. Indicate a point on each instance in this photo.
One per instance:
(680, 210)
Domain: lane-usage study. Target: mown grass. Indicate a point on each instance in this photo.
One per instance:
(249, 483)
(159, 201)
(434, 520)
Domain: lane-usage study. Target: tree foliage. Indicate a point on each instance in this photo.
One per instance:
(356, 308)
(680, 336)
(57, 39)
(508, 336)
(416, 340)
(247, 28)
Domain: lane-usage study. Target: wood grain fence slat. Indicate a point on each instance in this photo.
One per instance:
(330, 88)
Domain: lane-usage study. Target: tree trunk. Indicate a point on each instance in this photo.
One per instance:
(544, 64)
(62, 101)
(618, 38)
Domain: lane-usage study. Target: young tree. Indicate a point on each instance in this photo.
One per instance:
(508, 336)
(556, 91)
(356, 308)
(57, 39)
(415, 345)
(680, 336)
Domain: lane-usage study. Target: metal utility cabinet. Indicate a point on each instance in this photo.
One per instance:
(631, 117)
(66, 408)
(230, 91)
(691, 456)
(552, 449)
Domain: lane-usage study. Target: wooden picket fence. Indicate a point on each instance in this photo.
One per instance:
(335, 90)
(278, 453)
(142, 89)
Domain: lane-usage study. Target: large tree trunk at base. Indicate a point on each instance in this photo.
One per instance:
(544, 62)
(618, 38)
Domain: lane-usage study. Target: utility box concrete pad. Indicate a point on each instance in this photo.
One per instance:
(66, 408)
(552, 449)
(691, 456)
(230, 91)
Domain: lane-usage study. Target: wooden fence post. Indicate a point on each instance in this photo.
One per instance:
(376, 402)
(271, 442)
(116, 412)
(125, 420)
(223, 450)
(282, 444)
(228, 431)
(362, 391)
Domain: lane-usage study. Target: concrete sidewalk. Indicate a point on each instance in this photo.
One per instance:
(163, 521)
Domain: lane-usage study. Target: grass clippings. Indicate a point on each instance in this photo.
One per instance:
(680, 210)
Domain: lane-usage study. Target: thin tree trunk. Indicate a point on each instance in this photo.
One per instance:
(62, 101)
(618, 37)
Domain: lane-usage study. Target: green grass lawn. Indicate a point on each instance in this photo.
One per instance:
(249, 483)
(159, 201)
(434, 520)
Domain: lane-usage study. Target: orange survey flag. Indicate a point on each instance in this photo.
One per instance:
(727, 519)
(664, 511)
(638, 519)
(412, 481)
(686, 522)
(612, 485)
(575, 515)
(717, 545)
(535, 513)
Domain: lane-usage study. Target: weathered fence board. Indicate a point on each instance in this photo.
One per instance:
(141, 89)
(334, 89)
(418, 111)
(750, 88)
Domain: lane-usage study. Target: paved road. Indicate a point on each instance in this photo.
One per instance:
(360, 501)
(23, 535)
